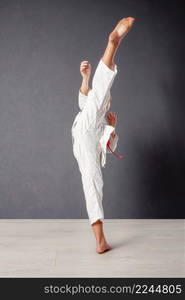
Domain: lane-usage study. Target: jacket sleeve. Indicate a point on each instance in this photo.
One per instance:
(108, 129)
(113, 143)
(82, 98)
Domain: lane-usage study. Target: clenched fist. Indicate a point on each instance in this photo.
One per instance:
(111, 118)
(85, 69)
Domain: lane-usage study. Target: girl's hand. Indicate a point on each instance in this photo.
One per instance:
(111, 118)
(85, 69)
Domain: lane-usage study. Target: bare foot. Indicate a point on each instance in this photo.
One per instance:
(103, 247)
(121, 29)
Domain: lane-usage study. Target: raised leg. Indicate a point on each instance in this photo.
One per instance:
(114, 40)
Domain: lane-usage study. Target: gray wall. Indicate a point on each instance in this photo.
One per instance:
(41, 46)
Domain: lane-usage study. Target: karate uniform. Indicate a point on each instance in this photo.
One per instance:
(90, 134)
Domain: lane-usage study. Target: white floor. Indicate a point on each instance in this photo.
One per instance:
(66, 248)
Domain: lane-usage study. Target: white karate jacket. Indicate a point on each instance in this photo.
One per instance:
(104, 131)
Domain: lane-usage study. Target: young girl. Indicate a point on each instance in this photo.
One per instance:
(93, 130)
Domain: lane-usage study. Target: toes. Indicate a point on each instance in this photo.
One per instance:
(104, 250)
(131, 20)
(101, 252)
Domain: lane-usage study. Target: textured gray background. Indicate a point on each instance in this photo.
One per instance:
(41, 46)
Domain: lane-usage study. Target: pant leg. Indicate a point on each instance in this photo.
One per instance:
(102, 82)
(92, 182)
(97, 97)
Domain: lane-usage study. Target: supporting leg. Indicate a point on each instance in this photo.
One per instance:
(101, 243)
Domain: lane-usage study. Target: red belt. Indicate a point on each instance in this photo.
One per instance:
(117, 155)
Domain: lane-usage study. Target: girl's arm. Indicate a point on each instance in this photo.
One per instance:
(112, 120)
(84, 89)
(85, 70)
(113, 134)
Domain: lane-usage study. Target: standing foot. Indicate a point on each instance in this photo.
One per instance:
(121, 29)
(102, 247)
